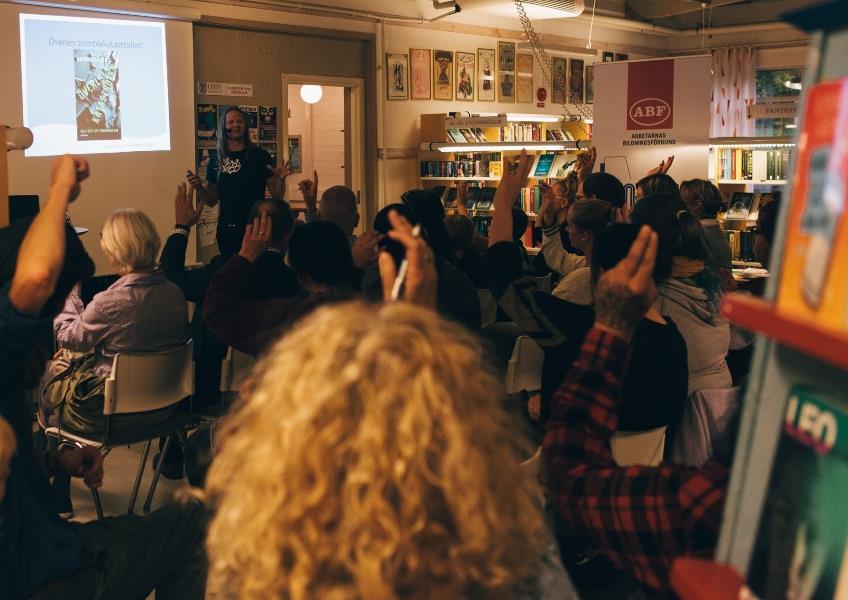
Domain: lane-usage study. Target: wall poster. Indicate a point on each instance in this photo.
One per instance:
(486, 74)
(524, 78)
(575, 80)
(293, 148)
(397, 79)
(442, 75)
(590, 84)
(421, 74)
(506, 71)
(560, 82)
(465, 75)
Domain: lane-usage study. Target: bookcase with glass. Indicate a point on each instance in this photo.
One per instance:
(473, 149)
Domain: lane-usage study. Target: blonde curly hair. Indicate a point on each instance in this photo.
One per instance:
(372, 460)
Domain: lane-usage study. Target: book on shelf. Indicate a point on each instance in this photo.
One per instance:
(543, 164)
(529, 199)
(522, 132)
(563, 165)
(814, 270)
(741, 245)
(740, 205)
(455, 136)
(801, 538)
(740, 164)
(495, 168)
(478, 133)
(484, 199)
(466, 165)
(468, 135)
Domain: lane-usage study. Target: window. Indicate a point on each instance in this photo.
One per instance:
(777, 85)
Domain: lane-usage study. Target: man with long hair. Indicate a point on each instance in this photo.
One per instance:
(237, 177)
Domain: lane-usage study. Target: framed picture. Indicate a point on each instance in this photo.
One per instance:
(485, 74)
(575, 80)
(397, 79)
(590, 84)
(560, 77)
(442, 75)
(465, 75)
(420, 74)
(608, 56)
(293, 147)
(619, 57)
(524, 78)
(506, 71)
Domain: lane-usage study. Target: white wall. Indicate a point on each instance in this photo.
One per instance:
(144, 180)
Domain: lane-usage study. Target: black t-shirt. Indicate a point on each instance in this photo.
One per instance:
(240, 177)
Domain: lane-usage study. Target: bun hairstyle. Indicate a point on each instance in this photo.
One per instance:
(658, 184)
(679, 228)
(591, 215)
(695, 191)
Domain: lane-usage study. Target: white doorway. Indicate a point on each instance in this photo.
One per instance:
(325, 136)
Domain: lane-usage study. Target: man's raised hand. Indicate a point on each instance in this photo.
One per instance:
(257, 236)
(185, 211)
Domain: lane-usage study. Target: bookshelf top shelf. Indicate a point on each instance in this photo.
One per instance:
(753, 181)
(764, 317)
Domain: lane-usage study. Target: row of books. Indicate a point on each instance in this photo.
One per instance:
(559, 135)
(482, 165)
(481, 198)
(467, 136)
(753, 165)
(741, 244)
(522, 132)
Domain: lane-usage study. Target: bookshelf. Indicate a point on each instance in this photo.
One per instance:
(802, 344)
(473, 149)
(750, 161)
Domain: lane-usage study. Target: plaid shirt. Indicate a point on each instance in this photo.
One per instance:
(642, 518)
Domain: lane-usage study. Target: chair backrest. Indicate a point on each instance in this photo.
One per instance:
(235, 369)
(488, 307)
(524, 371)
(142, 381)
(638, 447)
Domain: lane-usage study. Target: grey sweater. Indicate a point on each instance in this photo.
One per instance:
(706, 334)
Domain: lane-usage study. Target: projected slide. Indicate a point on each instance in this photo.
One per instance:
(94, 86)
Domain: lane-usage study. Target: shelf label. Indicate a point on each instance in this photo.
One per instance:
(466, 122)
(773, 110)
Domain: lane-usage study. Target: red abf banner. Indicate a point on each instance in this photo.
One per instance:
(648, 110)
(650, 94)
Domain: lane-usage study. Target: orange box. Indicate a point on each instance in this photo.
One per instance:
(814, 273)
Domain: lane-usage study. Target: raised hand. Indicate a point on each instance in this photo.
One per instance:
(626, 292)
(663, 167)
(586, 163)
(281, 172)
(309, 190)
(514, 178)
(549, 210)
(364, 249)
(68, 172)
(461, 197)
(185, 211)
(257, 236)
(421, 278)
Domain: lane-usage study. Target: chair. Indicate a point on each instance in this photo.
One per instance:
(140, 382)
(524, 370)
(488, 307)
(235, 369)
(638, 447)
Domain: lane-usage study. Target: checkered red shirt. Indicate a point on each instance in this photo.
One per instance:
(642, 518)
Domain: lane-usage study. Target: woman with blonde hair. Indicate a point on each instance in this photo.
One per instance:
(141, 312)
(379, 468)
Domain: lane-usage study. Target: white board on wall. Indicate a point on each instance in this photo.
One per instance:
(141, 179)
(647, 110)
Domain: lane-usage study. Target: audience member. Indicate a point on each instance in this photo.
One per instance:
(8, 448)
(658, 183)
(766, 225)
(691, 296)
(586, 219)
(42, 555)
(141, 312)
(642, 518)
(319, 255)
(399, 478)
(704, 201)
(461, 231)
(655, 386)
(338, 205)
(237, 175)
(457, 296)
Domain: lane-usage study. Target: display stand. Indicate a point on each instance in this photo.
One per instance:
(796, 352)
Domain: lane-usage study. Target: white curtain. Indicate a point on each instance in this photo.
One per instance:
(734, 88)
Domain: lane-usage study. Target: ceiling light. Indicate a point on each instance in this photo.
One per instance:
(311, 93)
(506, 146)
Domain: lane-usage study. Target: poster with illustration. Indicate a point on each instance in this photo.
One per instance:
(590, 84)
(443, 75)
(575, 80)
(524, 78)
(465, 75)
(421, 74)
(251, 116)
(560, 80)
(506, 71)
(293, 150)
(397, 66)
(267, 123)
(207, 122)
(485, 74)
(98, 102)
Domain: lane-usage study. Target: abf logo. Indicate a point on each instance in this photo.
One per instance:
(650, 112)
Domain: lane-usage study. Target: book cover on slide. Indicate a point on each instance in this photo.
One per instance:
(799, 552)
(98, 100)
